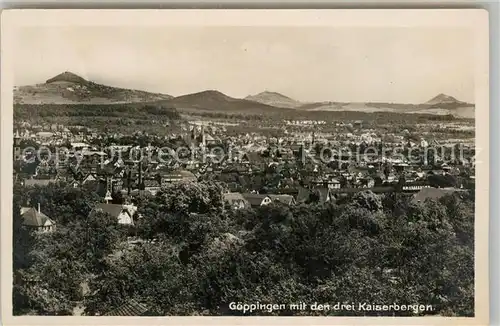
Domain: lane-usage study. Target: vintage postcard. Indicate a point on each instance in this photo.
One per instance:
(245, 166)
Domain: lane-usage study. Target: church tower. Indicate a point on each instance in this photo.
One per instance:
(17, 147)
(203, 141)
(109, 189)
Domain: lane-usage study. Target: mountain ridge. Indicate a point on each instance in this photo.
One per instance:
(70, 88)
(212, 100)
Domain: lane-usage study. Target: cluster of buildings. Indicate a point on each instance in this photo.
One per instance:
(257, 170)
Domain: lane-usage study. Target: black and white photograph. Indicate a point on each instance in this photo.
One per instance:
(246, 163)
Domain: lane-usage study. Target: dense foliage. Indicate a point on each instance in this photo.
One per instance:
(197, 256)
(144, 111)
(126, 117)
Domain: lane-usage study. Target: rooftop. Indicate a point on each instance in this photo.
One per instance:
(33, 217)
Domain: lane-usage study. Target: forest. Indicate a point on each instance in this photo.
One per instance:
(197, 255)
(82, 111)
(79, 113)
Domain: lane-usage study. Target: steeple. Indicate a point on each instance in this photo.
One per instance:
(17, 146)
(203, 141)
(17, 138)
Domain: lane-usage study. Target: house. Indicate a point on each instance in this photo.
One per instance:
(305, 195)
(79, 146)
(38, 182)
(137, 193)
(192, 165)
(330, 183)
(35, 219)
(248, 157)
(358, 124)
(414, 186)
(400, 167)
(236, 200)
(152, 185)
(433, 193)
(365, 182)
(333, 184)
(290, 189)
(123, 213)
(256, 200)
(177, 176)
(90, 177)
(209, 140)
(284, 199)
(44, 134)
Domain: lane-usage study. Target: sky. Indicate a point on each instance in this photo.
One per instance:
(384, 64)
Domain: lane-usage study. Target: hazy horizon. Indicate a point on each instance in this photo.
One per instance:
(308, 64)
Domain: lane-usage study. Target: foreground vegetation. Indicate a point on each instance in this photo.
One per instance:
(198, 256)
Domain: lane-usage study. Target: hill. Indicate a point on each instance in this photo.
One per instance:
(216, 101)
(439, 105)
(69, 88)
(443, 99)
(443, 104)
(68, 77)
(274, 99)
(359, 106)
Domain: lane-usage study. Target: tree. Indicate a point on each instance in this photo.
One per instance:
(197, 197)
(196, 257)
(50, 286)
(60, 202)
(368, 200)
(151, 274)
(314, 196)
(401, 183)
(23, 241)
(60, 262)
(442, 181)
(377, 181)
(118, 198)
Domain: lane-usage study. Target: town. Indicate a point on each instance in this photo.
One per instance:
(298, 165)
(211, 185)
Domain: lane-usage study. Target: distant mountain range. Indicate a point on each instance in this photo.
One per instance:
(216, 101)
(69, 88)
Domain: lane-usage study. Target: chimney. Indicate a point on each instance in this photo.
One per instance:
(38, 207)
